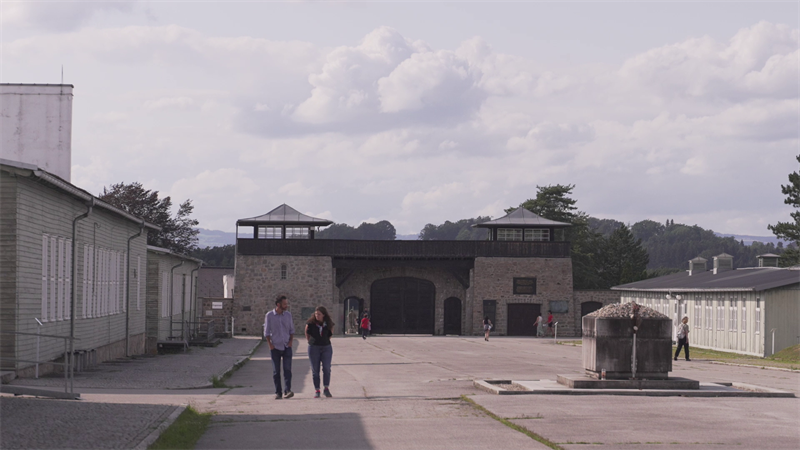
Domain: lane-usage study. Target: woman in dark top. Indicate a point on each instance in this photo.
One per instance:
(487, 327)
(319, 330)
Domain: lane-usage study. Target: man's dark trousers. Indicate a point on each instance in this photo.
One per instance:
(286, 355)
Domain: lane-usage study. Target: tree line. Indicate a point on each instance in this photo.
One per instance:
(605, 252)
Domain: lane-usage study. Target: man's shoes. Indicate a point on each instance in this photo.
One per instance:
(675, 359)
(288, 394)
(316, 394)
(278, 396)
(327, 393)
(688, 359)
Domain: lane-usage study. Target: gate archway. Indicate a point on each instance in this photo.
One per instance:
(402, 305)
(353, 309)
(452, 316)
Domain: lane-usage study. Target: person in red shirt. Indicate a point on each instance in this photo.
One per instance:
(365, 326)
(550, 322)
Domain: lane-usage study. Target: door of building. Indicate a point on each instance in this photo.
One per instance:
(587, 308)
(402, 305)
(452, 316)
(521, 317)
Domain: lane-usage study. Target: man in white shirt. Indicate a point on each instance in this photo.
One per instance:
(279, 333)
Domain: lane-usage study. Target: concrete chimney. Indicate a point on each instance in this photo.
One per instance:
(768, 260)
(722, 263)
(36, 126)
(697, 265)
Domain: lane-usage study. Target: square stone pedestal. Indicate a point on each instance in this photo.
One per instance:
(586, 382)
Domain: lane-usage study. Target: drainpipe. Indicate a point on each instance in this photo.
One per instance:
(128, 293)
(192, 292)
(74, 287)
(172, 295)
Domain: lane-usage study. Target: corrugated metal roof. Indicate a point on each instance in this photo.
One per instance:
(284, 215)
(521, 217)
(746, 279)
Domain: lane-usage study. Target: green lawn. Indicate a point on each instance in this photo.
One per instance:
(788, 358)
(184, 432)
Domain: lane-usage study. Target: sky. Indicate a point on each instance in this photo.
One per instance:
(419, 113)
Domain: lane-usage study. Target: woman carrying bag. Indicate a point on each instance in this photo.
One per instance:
(319, 329)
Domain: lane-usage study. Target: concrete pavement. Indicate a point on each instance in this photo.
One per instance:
(404, 392)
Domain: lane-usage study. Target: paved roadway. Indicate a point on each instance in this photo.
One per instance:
(404, 392)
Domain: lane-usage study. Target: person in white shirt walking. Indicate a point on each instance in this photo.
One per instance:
(683, 338)
(279, 333)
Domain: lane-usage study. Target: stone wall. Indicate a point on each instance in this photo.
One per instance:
(309, 283)
(221, 317)
(493, 279)
(605, 296)
(359, 285)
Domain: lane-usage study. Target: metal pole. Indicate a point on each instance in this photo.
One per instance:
(633, 358)
(555, 333)
(38, 331)
(172, 295)
(74, 287)
(773, 340)
(128, 292)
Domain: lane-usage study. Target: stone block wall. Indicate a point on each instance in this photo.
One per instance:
(309, 283)
(493, 279)
(360, 282)
(604, 296)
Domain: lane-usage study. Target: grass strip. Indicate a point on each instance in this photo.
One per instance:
(184, 432)
(512, 425)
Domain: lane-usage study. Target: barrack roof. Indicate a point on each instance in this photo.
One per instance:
(521, 217)
(284, 215)
(745, 279)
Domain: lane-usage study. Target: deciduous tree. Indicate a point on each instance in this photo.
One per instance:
(178, 232)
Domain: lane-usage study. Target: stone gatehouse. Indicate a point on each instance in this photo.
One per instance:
(410, 287)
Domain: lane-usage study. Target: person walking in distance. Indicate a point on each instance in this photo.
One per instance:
(365, 326)
(682, 332)
(539, 324)
(319, 329)
(487, 327)
(279, 333)
(550, 322)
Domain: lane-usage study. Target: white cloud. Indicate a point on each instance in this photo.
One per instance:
(59, 16)
(169, 102)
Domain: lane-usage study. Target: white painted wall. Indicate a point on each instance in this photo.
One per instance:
(228, 281)
(36, 126)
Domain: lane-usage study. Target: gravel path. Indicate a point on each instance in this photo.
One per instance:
(174, 371)
(40, 423)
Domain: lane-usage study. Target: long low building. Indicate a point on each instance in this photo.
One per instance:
(71, 265)
(753, 310)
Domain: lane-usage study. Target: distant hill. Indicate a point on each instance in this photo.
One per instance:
(748, 240)
(215, 238)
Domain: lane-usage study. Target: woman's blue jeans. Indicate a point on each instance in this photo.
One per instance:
(320, 354)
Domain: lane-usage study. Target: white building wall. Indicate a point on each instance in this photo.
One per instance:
(36, 126)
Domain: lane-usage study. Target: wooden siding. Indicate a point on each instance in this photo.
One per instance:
(339, 248)
(8, 266)
(748, 339)
(783, 314)
(42, 209)
(158, 269)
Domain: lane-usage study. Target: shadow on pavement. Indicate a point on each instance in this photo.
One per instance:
(257, 373)
(307, 431)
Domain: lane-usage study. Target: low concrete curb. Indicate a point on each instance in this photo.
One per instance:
(152, 437)
(550, 387)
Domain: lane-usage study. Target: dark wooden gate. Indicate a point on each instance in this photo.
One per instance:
(521, 317)
(452, 316)
(402, 306)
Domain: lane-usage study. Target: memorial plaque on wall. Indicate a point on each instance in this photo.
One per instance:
(559, 306)
(524, 286)
(216, 305)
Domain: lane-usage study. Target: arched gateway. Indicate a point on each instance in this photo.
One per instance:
(402, 305)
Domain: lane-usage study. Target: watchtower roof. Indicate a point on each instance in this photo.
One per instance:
(284, 215)
(522, 218)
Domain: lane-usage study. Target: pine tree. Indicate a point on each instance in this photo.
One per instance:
(790, 231)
